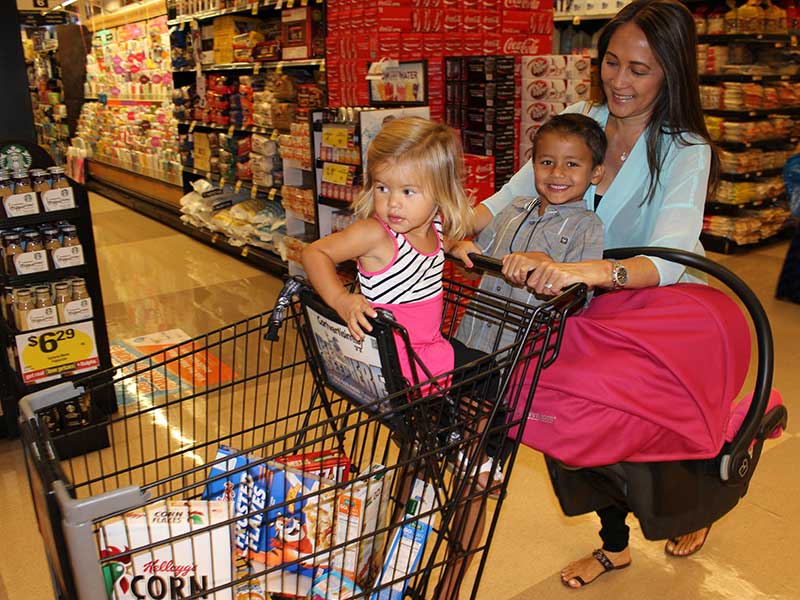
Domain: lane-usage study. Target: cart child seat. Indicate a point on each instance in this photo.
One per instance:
(664, 439)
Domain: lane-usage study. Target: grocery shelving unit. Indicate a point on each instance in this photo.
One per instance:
(38, 358)
(293, 174)
(780, 42)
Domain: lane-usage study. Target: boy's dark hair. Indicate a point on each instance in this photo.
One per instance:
(577, 124)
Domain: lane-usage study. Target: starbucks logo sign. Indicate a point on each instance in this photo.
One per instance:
(15, 158)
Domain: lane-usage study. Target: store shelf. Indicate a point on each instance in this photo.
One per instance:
(243, 66)
(745, 78)
(335, 203)
(43, 217)
(165, 177)
(751, 174)
(777, 40)
(273, 193)
(576, 19)
(766, 143)
(123, 101)
(753, 112)
(170, 216)
(243, 8)
(725, 208)
(43, 276)
(723, 245)
(230, 129)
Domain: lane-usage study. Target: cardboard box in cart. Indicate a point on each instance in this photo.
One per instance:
(172, 569)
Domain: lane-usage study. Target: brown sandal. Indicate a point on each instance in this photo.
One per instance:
(600, 557)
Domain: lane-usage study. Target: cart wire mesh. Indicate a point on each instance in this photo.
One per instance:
(230, 470)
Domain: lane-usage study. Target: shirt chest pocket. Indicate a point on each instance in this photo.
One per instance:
(555, 244)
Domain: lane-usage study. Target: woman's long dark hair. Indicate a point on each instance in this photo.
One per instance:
(670, 30)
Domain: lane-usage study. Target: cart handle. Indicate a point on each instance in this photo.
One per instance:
(735, 460)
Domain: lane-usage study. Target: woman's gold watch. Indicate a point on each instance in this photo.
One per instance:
(619, 275)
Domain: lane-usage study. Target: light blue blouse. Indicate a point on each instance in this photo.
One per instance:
(673, 218)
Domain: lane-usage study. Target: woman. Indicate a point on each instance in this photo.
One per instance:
(659, 168)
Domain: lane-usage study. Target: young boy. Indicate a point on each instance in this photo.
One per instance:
(568, 153)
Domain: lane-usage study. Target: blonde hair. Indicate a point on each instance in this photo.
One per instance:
(433, 151)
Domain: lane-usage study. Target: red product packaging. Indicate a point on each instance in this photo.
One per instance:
(473, 44)
(393, 18)
(453, 44)
(491, 21)
(389, 44)
(527, 4)
(490, 5)
(491, 44)
(479, 177)
(471, 21)
(453, 20)
(328, 464)
(357, 17)
(411, 44)
(433, 45)
(521, 44)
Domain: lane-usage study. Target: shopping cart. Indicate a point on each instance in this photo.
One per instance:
(244, 468)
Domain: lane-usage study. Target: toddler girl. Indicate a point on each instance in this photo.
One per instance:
(412, 197)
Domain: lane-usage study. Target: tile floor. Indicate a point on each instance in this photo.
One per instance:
(155, 279)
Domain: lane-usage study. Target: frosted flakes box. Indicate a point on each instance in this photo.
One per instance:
(297, 530)
(246, 487)
(170, 569)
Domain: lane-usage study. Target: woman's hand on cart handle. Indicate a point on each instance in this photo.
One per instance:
(519, 266)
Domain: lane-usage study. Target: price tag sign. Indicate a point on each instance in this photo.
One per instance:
(221, 182)
(272, 193)
(303, 2)
(208, 175)
(336, 174)
(254, 191)
(275, 134)
(53, 353)
(238, 186)
(335, 137)
(278, 4)
(255, 8)
(256, 68)
(67, 256)
(289, 3)
(20, 205)
(58, 199)
(279, 68)
(192, 125)
(245, 250)
(231, 130)
(214, 238)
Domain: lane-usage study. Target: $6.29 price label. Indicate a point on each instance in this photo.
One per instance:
(50, 353)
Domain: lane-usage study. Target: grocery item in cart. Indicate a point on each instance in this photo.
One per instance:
(171, 568)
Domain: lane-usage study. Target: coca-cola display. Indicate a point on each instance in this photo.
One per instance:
(406, 30)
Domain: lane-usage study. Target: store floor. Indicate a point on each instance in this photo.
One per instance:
(155, 279)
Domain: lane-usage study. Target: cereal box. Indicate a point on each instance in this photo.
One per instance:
(168, 569)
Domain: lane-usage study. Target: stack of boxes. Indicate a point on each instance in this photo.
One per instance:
(481, 99)
(360, 33)
(550, 83)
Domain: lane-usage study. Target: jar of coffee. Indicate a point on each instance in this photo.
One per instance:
(12, 246)
(58, 178)
(22, 182)
(79, 291)
(40, 180)
(62, 296)
(32, 241)
(69, 236)
(22, 307)
(42, 297)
